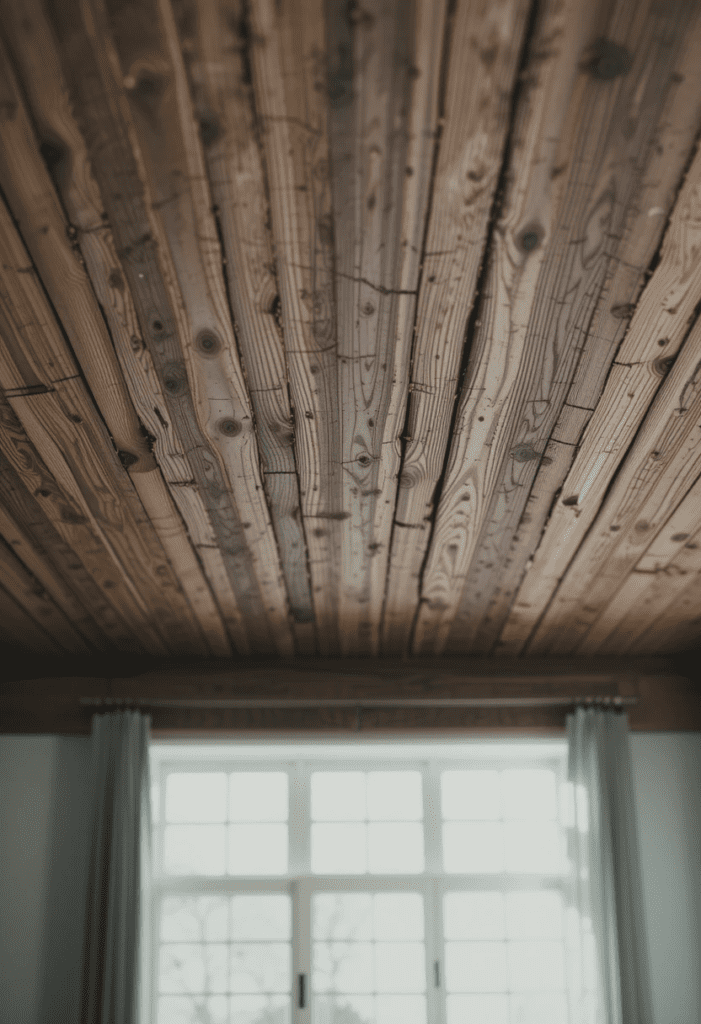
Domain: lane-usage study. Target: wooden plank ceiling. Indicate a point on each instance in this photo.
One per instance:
(334, 328)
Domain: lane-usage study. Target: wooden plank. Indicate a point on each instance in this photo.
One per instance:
(213, 42)
(217, 435)
(34, 51)
(58, 529)
(24, 630)
(662, 465)
(483, 45)
(286, 42)
(559, 235)
(656, 331)
(30, 595)
(43, 386)
(375, 68)
(652, 584)
(679, 628)
(35, 207)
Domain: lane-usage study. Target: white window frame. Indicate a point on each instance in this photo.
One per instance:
(300, 757)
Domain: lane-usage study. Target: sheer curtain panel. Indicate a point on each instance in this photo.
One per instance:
(115, 978)
(609, 983)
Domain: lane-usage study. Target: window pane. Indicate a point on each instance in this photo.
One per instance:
(481, 1009)
(260, 967)
(342, 916)
(193, 1009)
(196, 796)
(194, 919)
(536, 966)
(470, 795)
(194, 849)
(400, 967)
(395, 796)
(344, 1009)
(253, 1009)
(475, 966)
(474, 915)
(477, 846)
(536, 915)
(398, 916)
(343, 967)
(542, 1009)
(533, 846)
(395, 847)
(259, 849)
(338, 796)
(530, 793)
(339, 849)
(258, 796)
(261, 917)
(400, 1010)
(186, 967)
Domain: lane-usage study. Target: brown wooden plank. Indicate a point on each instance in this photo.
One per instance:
(30, 595)
(213, 42)
(218, 461)
(483, 45)
(373, 71)
(19, 624)
(58, 528)
(287, 43)
(679, 627)
(661, 467)
(656, 332)
(559, 236)
(30, 195)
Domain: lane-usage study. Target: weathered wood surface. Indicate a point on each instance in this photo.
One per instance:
(348, 329)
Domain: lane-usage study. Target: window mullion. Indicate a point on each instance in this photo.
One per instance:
(301, 950)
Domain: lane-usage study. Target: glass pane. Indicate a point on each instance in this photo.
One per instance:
(470, 795)
(339, 849)
(533, 847)
(398, 916)
(530, 793)
(481, 1009)
(395, 847)
(194, 849)
(196, 796)
(534, 915)
(395, 796)
(260, 967)
(536, 966)
(475, 966)
(261, 917)
(400, 1009)
(193, 1010)
(344, 1009)
(343, 967)
(477, 846)
(338, 796)
(186, 967)
(252, 1009)
(257, 849)
(194, 919)
(342, 916)
(258, 796)
(542, 1009)
(400, 967)
(474, 915)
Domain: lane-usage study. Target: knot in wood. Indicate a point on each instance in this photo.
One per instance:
(662, 366)
(210, 129)
(622, 312)
(127, 458)
(364, 460)
(207, 344)
(175, 379)
(229, 427)
(608, 60)
(530, 237)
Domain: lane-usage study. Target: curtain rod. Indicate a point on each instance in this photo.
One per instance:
(354, 703)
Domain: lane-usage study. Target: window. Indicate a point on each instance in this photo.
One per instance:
(366, 884)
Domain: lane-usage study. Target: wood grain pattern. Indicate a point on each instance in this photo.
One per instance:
(567, 250)
(483, 46)
(21, 628)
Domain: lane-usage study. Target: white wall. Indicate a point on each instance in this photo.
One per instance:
(44, 832)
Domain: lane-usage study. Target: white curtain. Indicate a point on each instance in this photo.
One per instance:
(115, 975)
(609, 981)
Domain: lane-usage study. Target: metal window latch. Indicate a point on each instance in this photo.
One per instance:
(436, 973)
(302, 991)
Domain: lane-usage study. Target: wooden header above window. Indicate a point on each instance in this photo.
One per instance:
(462, 695)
